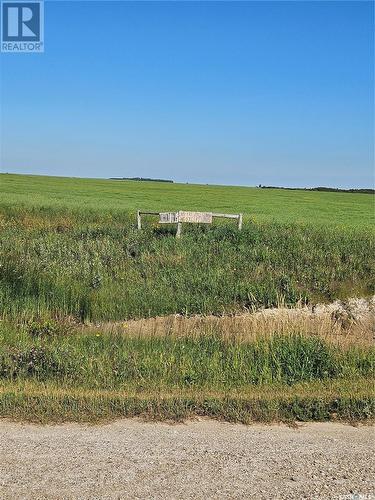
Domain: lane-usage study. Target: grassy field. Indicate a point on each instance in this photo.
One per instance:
(59, 257)
(70, 256)
(104, 269)
(120, 197)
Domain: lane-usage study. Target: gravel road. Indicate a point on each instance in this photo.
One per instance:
(201, 459)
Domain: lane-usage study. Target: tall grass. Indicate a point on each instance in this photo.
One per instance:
(103, 269)
(68, 257)
(205, 361)
(74, 375)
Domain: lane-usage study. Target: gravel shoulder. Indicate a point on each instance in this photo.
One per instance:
(199, 459)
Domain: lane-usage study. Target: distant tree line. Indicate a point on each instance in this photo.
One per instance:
(139, 179)
(322, 188)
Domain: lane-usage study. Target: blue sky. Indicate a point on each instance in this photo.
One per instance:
(277, 93)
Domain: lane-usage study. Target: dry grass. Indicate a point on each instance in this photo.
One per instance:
(345, 400)
(341, 323)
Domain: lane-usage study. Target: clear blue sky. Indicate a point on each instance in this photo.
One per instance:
(277, 93)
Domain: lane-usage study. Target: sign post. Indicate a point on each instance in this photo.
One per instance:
(183, 216)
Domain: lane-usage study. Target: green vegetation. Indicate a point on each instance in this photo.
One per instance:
(117, 361)
(69, 247)
(70, 254)
(104, 269)
(350, 401)
(95, 376)
(120, 197)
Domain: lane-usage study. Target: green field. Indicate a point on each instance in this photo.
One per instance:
(71, 256)
(116, 197)
(61, 258)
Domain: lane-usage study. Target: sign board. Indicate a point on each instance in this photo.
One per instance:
(168, 217)
(183, 216)
(197, 217)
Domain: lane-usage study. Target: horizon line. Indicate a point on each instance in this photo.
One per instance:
(162, 181)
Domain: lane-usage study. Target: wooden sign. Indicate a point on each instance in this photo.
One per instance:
(197, 217)
(168, 217)
(183, 216)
